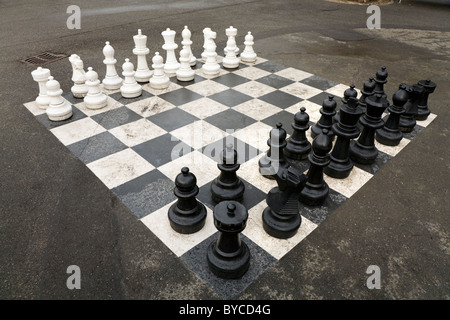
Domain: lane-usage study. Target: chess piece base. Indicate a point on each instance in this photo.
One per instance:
(96, 102)
(59, 112)
(131, 92)
(221, 192)
(362, 154)
(279, 226)
(387, 137)
(187, 222)
(226, 265)
(314, 195)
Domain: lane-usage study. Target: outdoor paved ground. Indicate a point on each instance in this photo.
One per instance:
(56, 213)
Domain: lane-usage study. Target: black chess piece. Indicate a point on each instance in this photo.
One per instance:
(422, 106)
(229, 256)
(298, 146)
(367, 91)
(390, 134)
(408, 118)
(380, 81)
(364, 150)
(348, 93)
(228, 186)
(340, 163)
(274, 159)
(281, 219)
(316, 189)
(187, 214)
(328, 111)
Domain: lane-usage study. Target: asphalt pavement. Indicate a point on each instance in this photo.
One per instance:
(54, 212)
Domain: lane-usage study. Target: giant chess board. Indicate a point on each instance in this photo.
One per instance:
(137, 147)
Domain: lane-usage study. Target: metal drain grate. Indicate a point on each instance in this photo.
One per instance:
(44, 58)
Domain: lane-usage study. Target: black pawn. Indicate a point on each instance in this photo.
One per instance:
(340, 163)
(274, 160)
(408, 118)
(316, 189)
(364, 150)
(328, 111)
(298, 146)
(281, 219)
(229, 257)
(390, 134)
(380, 81)
(422, 106)
(367, 91)
(187, 215)
(228, 186)
(350, 92)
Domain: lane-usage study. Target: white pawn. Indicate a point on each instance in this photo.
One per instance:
(159, 80)
(206, 40)
(112, 81)
(171, 66)
(59, 109)
(231, 33)
(248, 55)
(79, 89)
(185, 72)
(211, 67)
(186, 35)
(130, 88)
(143, 73)
(95, 98)
(40, 75)
(231, 61)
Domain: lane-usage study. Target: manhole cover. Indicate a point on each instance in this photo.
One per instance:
(44, 58)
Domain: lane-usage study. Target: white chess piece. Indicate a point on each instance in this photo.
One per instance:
(95, 98)
(143, 73)
(231, 33)
(59, 109)
(187, 42)
(159, 80)
(231, 61)
(206, 40)
(211, 67)
(130, 88)
(248, 55)
(112, 81)
(79, 89)
(185, 72)
(171, 66)
(40, 75)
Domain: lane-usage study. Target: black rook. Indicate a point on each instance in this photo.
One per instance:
(229, 256)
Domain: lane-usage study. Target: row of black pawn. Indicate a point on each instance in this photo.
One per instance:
(356, 117)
